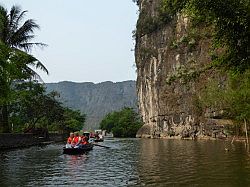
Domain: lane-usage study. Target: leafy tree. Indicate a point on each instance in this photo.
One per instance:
(73, 120)
(35, 108)
(12, 69)
(16, 63)
(124, 123)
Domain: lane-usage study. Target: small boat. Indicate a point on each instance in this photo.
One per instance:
(98, 136)
(80, 150)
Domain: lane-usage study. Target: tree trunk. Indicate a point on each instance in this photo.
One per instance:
(246, 131)
(4, 119)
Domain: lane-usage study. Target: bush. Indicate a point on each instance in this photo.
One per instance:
(124, 123)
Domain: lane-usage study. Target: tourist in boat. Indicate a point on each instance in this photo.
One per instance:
(76, 140)
(84, 140)
(100, 137)
(92, 135)
(97, 137)
(69, 140)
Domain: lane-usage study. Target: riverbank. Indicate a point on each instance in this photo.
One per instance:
(229, 138)
(13, 141)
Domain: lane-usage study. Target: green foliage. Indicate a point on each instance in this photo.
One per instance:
(240, 96)
(124, 123)
(36, 108)
(229, 26)
(147, 24)
(185, 75)
(73, 120)
(33, 106)
(215, 96)
(14, 66)
(15, 43)
(147, 53)
(230, 20)
(185, 41)
(171, 7)
(233, 96)
(165, 13)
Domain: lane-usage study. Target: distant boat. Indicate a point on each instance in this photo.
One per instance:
(99, 136)
(76, 151)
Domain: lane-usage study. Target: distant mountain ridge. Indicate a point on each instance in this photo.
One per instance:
(96, 100)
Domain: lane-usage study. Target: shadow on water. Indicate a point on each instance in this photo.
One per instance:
(130, 162)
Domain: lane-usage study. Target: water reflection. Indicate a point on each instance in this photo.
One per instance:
(130, 162)
(206, 163)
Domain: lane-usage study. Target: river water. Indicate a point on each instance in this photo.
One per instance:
(130, 162)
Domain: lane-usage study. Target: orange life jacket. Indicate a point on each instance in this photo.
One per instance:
(69, 140)
(84, 140)
(75, 140)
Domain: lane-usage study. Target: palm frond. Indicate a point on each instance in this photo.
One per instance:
(31, 74)
(42, 67)
(21, 39)
(33, 61)
(34, 75)
(23, 33)
(17, 37)
(13, 16)
(20, 17)
(29, 46)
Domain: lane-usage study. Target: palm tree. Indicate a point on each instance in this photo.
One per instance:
(16, 61)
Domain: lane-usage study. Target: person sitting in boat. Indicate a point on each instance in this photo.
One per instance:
(97, 137)
(69, 140)
(76, 140)
(92, 135)
(100, 137)
(84, 140)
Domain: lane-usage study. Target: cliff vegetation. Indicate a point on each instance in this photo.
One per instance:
(193, 63)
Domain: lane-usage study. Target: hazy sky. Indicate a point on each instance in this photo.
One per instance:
(89, 40)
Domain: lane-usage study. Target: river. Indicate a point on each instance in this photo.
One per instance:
(130, 162)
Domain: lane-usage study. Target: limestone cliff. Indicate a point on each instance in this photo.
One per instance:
(96, 100)
(162, 51)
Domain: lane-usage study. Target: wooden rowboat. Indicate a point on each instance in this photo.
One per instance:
(76, 151)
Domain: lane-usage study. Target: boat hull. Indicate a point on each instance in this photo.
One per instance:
(76, 151)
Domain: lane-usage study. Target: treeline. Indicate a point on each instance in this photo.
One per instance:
(124, 123)
(34, 108)
(24, 103)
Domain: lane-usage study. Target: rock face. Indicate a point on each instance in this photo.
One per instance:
(170, 110)
(96, 100)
